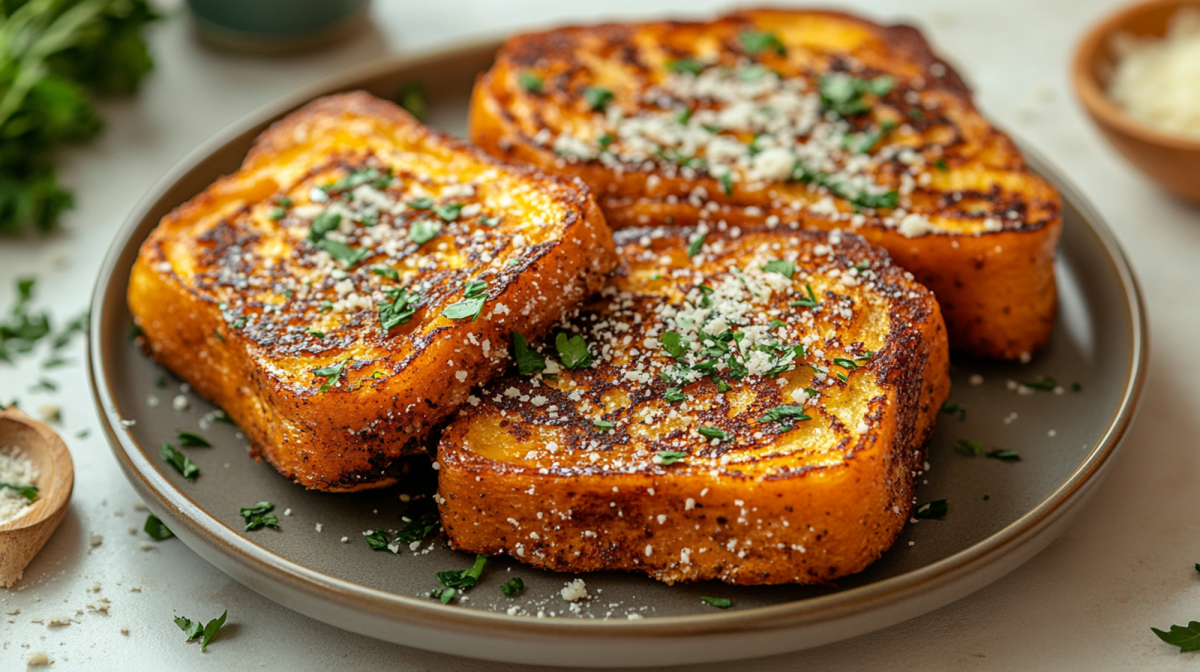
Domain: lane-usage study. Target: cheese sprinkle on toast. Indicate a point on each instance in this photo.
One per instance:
(746, 408)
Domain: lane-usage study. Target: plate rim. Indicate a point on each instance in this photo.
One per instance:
(401, 609)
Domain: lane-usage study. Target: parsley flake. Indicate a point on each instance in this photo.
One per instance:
(674, 395)
(604, 425)
(597, 97)
(386, 272)
(29, 492)
(1043, 384)
(423, 203)
(412, 99)
(969, 446)
(155, 528)
(464, 578)
(448, 212)
(712, 433)
(345, 255)
(810, 302)
(573, 351)
(668, 457)
(843, 93)
(206, 634)
(400, 310)
(182, 463)
(780, 266)
(718, 602)
(684, 65)
(672, 342)
(955, 408)
(417, 530)
(259, 516)
(378, 540)
(1186, 638)
(695, 245)
(785, 412)
(322, 224)
(513, 587)
(754, 42)
(1006, 455)
(474, 296)
(192, 440)
(331, 374)
(529, 361)
(531, 81)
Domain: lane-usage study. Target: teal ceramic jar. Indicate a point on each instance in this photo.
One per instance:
(276, 25)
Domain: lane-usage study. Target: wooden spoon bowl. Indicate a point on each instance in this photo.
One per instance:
(23, 536)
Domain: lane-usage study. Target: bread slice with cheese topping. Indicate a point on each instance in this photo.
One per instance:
(772, 116)
(341, 292)
(751, 409)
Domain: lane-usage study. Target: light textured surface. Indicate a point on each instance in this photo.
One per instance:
(1087, 602)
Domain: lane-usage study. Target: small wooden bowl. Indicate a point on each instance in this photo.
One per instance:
(22, 537)
(1172, 161)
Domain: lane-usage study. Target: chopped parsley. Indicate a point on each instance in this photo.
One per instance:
(780, 266)
(672, 342)
(848, 364)
(155, 528)
(322, 224)
(785, 412)
(400, 309)
(1006, 455)
(726, 180)
(357, 178)
(182, 463)
(718, 602)
(695, 245)
(810, 302)
(344, 254)
(1186, 638)
(934, 509)
(941, 165)
(529, 361)
(843, 93)
(412, 99)
(969, 446)
(386, 272)
(331, 373)
(674, 395)
(448, 212)
(597, 97)
(573, 351)
(1076, 387)
(868, 140)
(712, 433)
(259, 516)
(531, 81)
(423, 203)
(378, 540)
(416, 530)
(604, 425)
(23, 329)
(513, 587)
(955, 408)
(464, 578)
(668, 457)
(1046, 384)
(192, 440)
(490, 222)
(206, 634)
(755, 42)
(474, 295)
(682, 65)
(29, 492)
(44, 384)
(604, 141)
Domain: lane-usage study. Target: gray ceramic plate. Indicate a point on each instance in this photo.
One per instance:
(1000, 513)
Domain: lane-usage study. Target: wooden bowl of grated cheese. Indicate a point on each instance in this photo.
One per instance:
(1137, 74)
(36, 471)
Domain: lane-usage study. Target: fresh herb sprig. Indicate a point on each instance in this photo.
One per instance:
(205, 633)
(259, 516)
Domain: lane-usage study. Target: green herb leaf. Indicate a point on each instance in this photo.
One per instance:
(192, 629)
(389, 273)
(211, 629)
(531, 81)
(423, 203)
(672, 342)
(418, 530)
(810, 302)
(192, 440)
(29, 492)
(322, 224)
(726, 180)
(934, 509)
(695, 245)
(674, 395)
(785, 412)
(718, 602)
(474, 296)
(400, 309)
(513, 587)
(448, 212)
(529, 361)
(604, 425)
(412, 99)
(1006, 455)
(713, 433)
(360, 177)
(443, 594)
(259, 516)
(597, 97)
(491, 222)
(182, 463)
(155, 528)
(1046, 384)
(755, 42)
(573, 351)
(331, 373)
(1186, 638)
(940, 164)
(377, 540)
(668, 457)
(780, 266)
(843, 93)
(684, 65)
(464, 578)
(955, 408)
(345, 255)
(969, 446)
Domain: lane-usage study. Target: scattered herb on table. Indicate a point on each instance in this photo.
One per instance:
(259, 516)
(1187, 638)
(156, 529)
(205, 633)
(182, 463)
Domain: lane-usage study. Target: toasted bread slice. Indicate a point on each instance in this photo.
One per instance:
(765, 116)
(341, 292)
(780, 449)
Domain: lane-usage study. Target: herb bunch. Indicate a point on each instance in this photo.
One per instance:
(53, 53)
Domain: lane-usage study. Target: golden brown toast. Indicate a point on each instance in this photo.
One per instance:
(766, 116)
(341, 292)
(754, 414)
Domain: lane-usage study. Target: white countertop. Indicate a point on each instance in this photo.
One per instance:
(1086, 602)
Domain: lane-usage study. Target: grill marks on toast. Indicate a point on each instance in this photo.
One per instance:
(573, 458)
(270, 291)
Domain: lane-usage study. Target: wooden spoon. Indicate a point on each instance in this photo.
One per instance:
(22, 537)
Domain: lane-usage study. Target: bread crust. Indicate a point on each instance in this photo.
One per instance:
(525, 469)
(234, 294)
(986, 227)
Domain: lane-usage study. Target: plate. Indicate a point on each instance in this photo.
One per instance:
(1000, 513)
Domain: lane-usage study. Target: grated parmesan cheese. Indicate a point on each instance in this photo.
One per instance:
(1158, 80)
